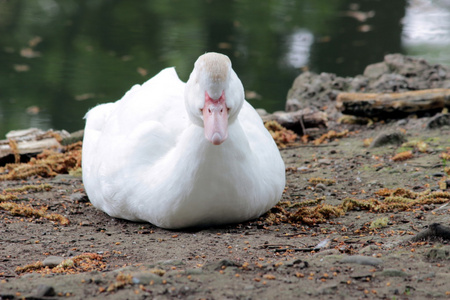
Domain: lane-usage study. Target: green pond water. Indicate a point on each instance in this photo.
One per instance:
(58, 58)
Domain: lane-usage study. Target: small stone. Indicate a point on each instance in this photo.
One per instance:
(261, 112)
(392, 273)
(426, 276)
(194, 271)
(146, 278)
(361, 260)
(438, 254)
(388, 138)
(44, 291)
(438, 121)
(171, 262)
(321, 186)
(329, 289)
(222, 263)
(79, 197)
(52, 261)
(374, 71)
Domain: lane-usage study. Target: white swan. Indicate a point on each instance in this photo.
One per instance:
(181, 155)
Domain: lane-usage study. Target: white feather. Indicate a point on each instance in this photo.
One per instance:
(145, 158)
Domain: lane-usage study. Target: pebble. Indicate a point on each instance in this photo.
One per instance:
(392, 273)
(171, 262)
(361, 260)
(427, 276)
(79, 197)
(388, 138)
(222, 263)
(329, 289)
(438, 121)
(321, 186)
(44, 291)
(52, 261)
(146, 278)
(438, 254)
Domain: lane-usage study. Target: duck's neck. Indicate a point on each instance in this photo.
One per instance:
(195, 159)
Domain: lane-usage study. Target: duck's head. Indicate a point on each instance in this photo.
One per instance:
(214, 96)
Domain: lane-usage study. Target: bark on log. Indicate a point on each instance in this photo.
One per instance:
(393, 105)
(29, 141)
(298, 120)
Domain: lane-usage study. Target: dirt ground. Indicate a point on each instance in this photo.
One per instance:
(326, 249)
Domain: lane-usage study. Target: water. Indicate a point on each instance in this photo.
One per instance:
(58, 58)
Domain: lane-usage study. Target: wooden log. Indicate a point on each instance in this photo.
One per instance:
(29, 141)
(299, 120)
(393, 105)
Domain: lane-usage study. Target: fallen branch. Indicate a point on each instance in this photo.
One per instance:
(393, 105)
(299, 121)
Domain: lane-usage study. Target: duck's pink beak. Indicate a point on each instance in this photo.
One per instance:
(215, 119)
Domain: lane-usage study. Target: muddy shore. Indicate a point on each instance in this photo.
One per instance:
(342, 230)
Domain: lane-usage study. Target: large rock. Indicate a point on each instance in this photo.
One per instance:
(396, 73)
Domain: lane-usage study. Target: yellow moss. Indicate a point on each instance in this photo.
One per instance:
(306, 203)
(15, 150)
(26, 188)
(85, 262)
(47, 164)
(8, 197)
(67, 263)
(379, 223)
(122, 280)
(31, 267)
(282, 136)
(332, 134)
(18, 209)
(318, 180)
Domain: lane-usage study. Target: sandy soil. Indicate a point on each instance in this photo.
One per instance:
(281, 255)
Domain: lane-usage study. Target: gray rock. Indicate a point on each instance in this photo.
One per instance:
(73, 137)
(438, 121)
(44, 291)
(321, 187)
(52, 261)
(388, 138)
(329, 289)
(374, 71)
(220, 264)
(79, 197)
(438, 253)
(361, 260)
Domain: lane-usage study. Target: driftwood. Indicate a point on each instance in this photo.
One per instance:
(393, 105)
(298, 121)
(29, 142)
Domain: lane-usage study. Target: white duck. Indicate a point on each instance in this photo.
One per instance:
(181, 155)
